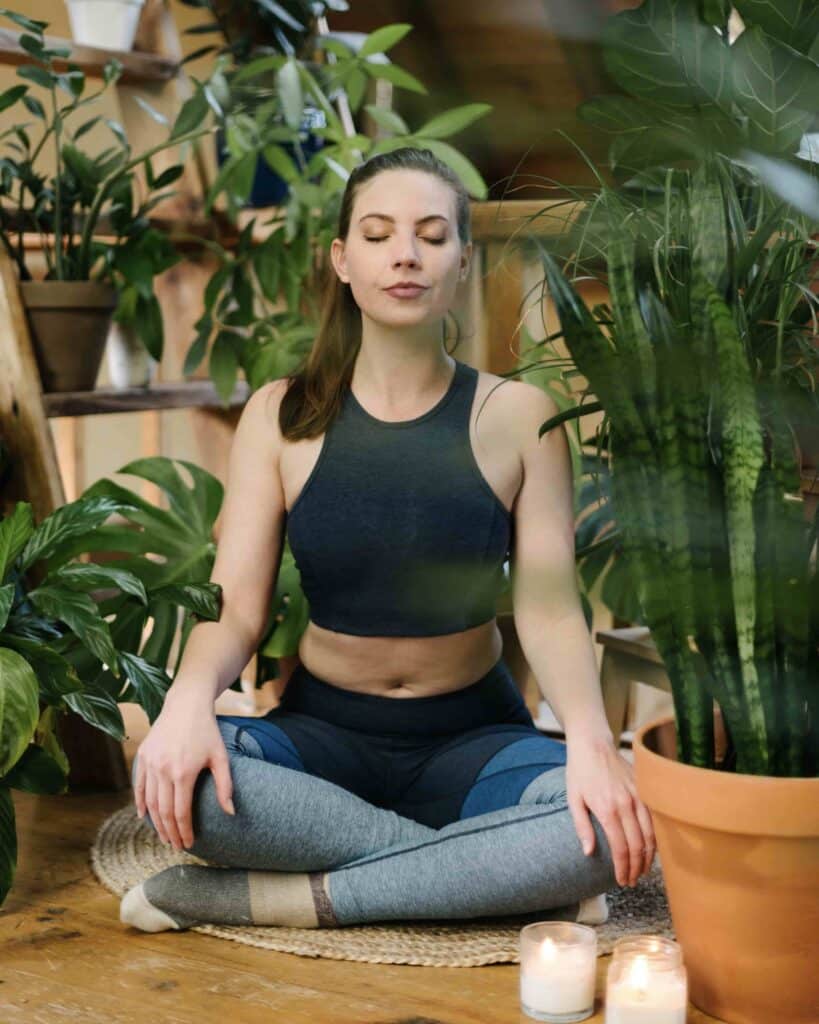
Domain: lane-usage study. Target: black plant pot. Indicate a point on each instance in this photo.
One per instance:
(269, 189)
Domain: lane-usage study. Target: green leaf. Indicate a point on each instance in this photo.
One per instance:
(81, 615)
(76, 518)
(88, 576)
(30, 25)
(100, 710)
(191, 115)
(198, 506)
(19, 707)
(15, 531)
(151, 111)
(37, 772)
(40, 76)
(203, 599)
(8, 842)
(150, 682)
(149, 325)
(793, 22)
(387, 119)
(224, 364)
(777, 88)
(10, 96)
(466, 171)
(6, 599)
(662, 51)
(392, 73)
(288, 84)
(55, 674)
(279, 160)
(452, 121)
(384, 39)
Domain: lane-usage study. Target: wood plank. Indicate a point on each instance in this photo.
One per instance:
(67, 956)
(136, 66)
(187, 394)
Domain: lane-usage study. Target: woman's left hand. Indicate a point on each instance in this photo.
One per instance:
(599, 779)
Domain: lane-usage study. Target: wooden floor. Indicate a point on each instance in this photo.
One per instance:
(65, 956)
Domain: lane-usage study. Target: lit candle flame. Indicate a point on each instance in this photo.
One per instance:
(638, 975)
(548, 950)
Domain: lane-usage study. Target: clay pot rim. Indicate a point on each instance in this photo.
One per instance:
(710, 796)
(68, 294)
(666, 719)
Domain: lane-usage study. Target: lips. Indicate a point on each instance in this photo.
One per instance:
(405, 291)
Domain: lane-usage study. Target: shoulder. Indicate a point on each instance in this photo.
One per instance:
(519, 407)
(260, 415)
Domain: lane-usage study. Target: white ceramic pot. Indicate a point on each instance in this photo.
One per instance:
(129, 363)
(108, 24)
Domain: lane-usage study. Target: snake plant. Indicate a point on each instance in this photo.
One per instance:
(705, 361)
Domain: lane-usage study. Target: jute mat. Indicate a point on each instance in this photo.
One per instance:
(127, 850)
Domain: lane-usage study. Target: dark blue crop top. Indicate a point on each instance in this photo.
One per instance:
(396, 532)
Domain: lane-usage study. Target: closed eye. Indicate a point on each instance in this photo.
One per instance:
(432, 241)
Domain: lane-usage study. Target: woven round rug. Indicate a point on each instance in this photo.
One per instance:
(126, 850)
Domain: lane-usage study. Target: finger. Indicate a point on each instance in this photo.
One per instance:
(139, 785)
(649, 839)
(166, 811)
(617, 843)
(634, 838)
(220, 767)
(183, 798)
(582, 825)
(152, 804)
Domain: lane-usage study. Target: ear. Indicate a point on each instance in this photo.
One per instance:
(466, 259)
(339, 260)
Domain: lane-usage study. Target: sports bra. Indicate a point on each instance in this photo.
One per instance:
(396, 532)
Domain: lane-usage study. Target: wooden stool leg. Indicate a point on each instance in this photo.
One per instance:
(615, 685)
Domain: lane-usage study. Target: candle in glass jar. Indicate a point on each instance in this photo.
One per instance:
(647, 983)
(557, 971)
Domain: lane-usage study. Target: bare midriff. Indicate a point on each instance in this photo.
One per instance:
(415, 666)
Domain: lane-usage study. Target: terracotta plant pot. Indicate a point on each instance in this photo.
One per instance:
(69, 323)
(740, 857)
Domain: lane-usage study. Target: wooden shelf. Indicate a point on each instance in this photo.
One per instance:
(136, 66)
(188, 394)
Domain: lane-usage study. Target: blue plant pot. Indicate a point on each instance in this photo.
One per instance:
(269, 188)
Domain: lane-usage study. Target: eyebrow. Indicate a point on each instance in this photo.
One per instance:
(421, 220)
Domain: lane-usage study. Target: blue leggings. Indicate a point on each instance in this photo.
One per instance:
(431, 807)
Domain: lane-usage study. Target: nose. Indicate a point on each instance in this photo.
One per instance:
(406, 252)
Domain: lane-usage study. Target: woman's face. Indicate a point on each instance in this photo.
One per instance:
(403, 228)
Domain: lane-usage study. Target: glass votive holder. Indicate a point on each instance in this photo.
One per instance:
(558, 966)
(647, 982)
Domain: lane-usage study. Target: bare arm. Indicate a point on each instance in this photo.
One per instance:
(247, 559)
(548, 614)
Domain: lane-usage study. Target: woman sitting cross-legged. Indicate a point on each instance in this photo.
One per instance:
(401, 776)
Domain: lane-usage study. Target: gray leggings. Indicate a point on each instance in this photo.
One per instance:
(513, 849)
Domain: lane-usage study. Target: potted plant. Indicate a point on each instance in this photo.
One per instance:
(109, 24)
(84, 636)
(88, 277)
(704, 362)
(255, 28)
(260, 306)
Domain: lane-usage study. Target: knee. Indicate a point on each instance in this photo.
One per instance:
(547, 788)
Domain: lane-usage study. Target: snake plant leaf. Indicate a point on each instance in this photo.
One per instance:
(19, 707)
(777, 88)
(793, 22)
(78, 517)
(15, 530)
(663, 51)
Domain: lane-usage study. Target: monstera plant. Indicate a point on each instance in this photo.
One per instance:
(87, 636)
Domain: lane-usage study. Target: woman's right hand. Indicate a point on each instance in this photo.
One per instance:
(179, 745)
